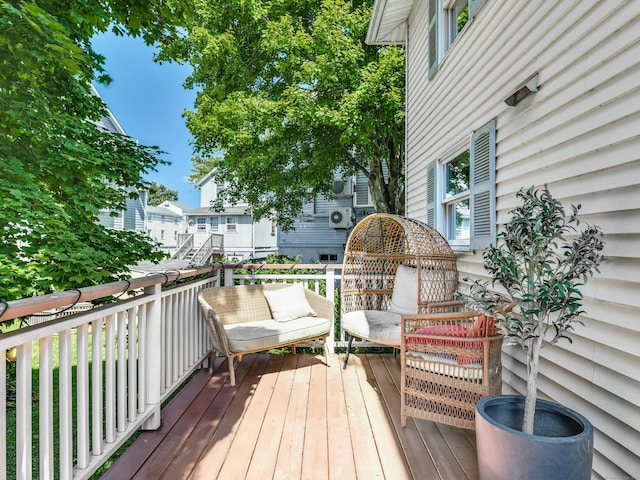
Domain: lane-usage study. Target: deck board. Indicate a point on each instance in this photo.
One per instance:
(291, 417)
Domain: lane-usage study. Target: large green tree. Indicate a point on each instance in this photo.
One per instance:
(59, 168)
(159, 193)
(289, 93)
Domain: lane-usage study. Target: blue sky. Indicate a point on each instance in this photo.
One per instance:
(148, 100)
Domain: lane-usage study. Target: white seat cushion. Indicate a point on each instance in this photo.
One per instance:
(374, 325)
(264, 334)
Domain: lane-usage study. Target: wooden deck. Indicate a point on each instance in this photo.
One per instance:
(291, 417)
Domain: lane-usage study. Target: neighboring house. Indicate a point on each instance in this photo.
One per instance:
(133, 217)
(321, 230)
(531, 93)
(163, 226)
(243, 237)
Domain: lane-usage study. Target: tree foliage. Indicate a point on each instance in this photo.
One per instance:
(59, 166)
(540, 271)
(160, 193)
(289, 93)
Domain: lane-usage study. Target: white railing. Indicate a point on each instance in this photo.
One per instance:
(111, 366)
(148, 345)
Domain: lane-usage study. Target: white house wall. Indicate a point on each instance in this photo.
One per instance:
(580, 134)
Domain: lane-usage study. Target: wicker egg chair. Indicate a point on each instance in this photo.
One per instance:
(376, 247)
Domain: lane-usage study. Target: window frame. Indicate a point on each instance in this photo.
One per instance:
(447, 201)
(231, 221)
(481, 193)
(442, 29)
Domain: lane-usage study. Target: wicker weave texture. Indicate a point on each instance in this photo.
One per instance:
(446, 369)
(378, 245)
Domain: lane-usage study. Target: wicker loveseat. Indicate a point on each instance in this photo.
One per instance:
(393, 266)
(252, 318)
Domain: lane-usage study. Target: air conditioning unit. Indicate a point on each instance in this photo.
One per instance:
(340, 217)
(343, 188)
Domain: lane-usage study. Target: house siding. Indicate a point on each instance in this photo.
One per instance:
(579, 134)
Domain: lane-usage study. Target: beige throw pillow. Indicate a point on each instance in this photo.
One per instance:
(289, 303)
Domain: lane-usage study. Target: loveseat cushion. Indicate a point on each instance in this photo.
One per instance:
(374, 325)
(265, 334)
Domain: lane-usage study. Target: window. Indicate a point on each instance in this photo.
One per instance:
(231, 224)
(455, 203)
(328, 257)
(461, 192)
(161, 234)
(214, 223)
(446, 19)
(162, 218)
(457, 16)
(202, 224)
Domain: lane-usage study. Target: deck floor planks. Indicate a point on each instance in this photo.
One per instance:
(289, 461)
(244, 441)
(390, 453)
(367, 462)
(180, 433)
(188, 457)
(265, 455)
(217, 450)
(421, 465)
(341, 457)
(315, 455)
(292, 417)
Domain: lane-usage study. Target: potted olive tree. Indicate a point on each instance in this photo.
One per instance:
(541, 260)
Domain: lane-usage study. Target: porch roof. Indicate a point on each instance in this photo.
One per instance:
(388, 24)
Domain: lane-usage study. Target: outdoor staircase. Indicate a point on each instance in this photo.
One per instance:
(199, 254)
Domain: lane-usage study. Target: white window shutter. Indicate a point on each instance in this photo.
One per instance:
(473, 6)
(432, 37)
(431, 195)
(483, 186)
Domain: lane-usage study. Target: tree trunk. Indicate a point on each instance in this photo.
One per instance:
(533, 358)
(388, 196)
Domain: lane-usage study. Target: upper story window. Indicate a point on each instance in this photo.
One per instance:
(232, 223)
(214, 222)
(162, 219)
(202, 224)
(457, 16)
(461, 192)
(446, 20)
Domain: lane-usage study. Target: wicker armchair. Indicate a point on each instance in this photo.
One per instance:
(449, 362)
(240, 320)
(376, 249)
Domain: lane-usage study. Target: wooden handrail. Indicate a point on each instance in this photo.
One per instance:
(30, 305)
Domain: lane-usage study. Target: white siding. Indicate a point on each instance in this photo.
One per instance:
(580, 134)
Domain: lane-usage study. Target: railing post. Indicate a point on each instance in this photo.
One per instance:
(153, 339)
(228, 276)
(330, 294)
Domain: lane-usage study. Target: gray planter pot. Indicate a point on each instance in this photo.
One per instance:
(561, 447)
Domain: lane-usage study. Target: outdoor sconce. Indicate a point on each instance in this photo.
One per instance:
(529, 86)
